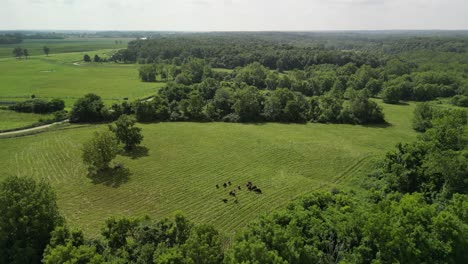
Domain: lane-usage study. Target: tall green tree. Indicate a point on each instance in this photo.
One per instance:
(99, 151)
(28, 213)
(46, 50)
(18, 52)
(126, 132)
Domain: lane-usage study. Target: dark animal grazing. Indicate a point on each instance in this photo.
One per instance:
(217, 186)
(254, 188)
(229, 182)
(118, 166)
(232, 193)
(238, 187)
(225, 200)
(259, 191)
(125, 98)
(224, 185)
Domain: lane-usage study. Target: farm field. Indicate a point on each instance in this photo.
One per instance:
(66, 45)
(11, 119)
(64, 76)
(185, 161)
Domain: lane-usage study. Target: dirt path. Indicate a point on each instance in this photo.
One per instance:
(33, 128)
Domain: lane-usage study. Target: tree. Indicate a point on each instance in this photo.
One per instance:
(126, 132)
(89, 108)
(391, 94)
(422, 117)
(203, 245)
(28, 213)
(147, 73)
(86, 58)
(99, 151)
(46, 50)
(18, 52)
(69, 247)
(26, 53)
(96, 58)
(247, 104)
(360, 110)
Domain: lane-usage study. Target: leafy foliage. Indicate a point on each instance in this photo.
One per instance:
(99, 151)
(28, 213)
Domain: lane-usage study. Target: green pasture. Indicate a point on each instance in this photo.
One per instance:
(12, 119)
(66, 76)
(181, 163)
(35, 46)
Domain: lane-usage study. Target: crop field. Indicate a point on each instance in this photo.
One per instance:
(180, 163)
(66, 45)
(66, 76)
(11, 119)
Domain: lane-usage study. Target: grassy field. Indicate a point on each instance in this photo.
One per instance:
(11, 119)
(185, 161)
(65, 76)
(35, 46)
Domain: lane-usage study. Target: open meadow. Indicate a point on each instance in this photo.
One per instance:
(180, 163)
(65, 76)
(35, 46)
(11, 119)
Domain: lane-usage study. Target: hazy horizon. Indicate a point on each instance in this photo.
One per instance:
(233, 15)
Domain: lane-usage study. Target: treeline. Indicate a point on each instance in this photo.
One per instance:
(412, 209)
(249, 94)
(234, 50)
(38, 106)
(423, 86)
(11, 38)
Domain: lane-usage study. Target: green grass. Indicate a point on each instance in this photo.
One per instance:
(11, 119)
(35, 46)
(186, 160)
(58, 76)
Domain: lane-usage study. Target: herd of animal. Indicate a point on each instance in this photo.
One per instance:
(249, 185)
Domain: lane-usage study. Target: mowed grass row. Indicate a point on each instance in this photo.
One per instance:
(185, 161)
(64, 76)
(35, 46)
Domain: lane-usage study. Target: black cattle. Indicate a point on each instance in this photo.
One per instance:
(238, 187)
(258, 190)
(229, 182)
(225, 200)
(224, 185)
(217, 186)
(232, 193)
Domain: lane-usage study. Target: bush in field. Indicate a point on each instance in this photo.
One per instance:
(99, 151)
(28, 213)
(86, 58)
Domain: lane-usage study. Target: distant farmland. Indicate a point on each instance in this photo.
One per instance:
(58, 76)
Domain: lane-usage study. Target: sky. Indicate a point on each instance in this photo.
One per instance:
(233, 15)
